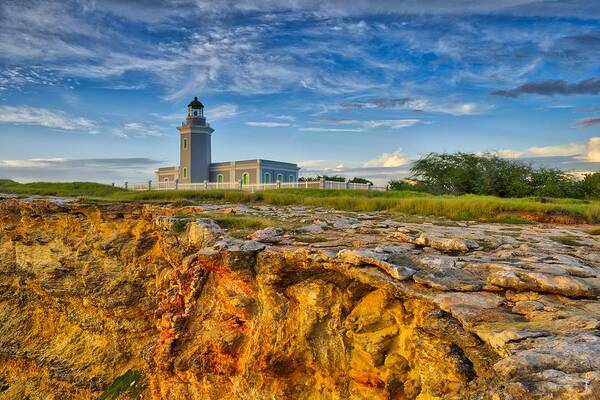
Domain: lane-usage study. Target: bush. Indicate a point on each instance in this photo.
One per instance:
(466, 173)
(360, 180)
(590, 185)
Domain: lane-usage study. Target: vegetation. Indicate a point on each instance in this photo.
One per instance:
(594, 232)
(466, 173)
(58, 188)
(464, 207)
(418, 203)
(567, 240)
(130, 384)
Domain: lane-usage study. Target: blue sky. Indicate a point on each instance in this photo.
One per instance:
(94, 89)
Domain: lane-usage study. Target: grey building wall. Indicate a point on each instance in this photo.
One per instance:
(167, 174)
(195, 158)
(233, 171)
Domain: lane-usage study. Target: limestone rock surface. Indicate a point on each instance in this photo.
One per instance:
(380, 309)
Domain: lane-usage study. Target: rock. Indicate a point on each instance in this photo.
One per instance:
(366, 257)
(203, 232)
(267, 235)
(312, 228)
(89, 292)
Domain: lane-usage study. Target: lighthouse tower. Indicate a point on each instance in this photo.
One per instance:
(194, 155)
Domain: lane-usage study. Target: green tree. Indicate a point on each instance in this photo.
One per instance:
(590, 185)
(360, 180)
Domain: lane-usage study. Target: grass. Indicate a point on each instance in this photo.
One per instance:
(509, 219)
(595, 231)
(466, 207)
(130, 384)
(566, 240)
(311, 239)
(89, 189)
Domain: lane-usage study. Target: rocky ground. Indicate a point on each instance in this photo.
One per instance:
(321, 305)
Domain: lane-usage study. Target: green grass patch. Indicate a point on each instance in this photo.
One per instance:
(130, 384)
(567, 240)
(466, 207)
(66, 189)
(310, 239)
(241, 222)
(179, 225)
(509, 219)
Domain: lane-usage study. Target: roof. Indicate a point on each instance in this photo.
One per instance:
(196, 103)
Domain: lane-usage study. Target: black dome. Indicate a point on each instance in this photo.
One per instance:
(195, 103)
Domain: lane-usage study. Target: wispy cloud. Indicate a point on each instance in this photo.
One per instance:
(364, 125)
(588, 122)
(322, 129)
(223, 111)
(268, 124)
(554, 87)
(105, 170)
(418, 105)
(26, 115)
(588, 151)
(138, 130)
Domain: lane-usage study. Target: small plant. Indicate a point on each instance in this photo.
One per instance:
(130, 384)
(311, 239)
(509, 219)
(179, 225)
(567, 240)
(595, 231)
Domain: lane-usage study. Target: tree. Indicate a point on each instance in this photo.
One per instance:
(489, 174)
(590, 185)
(335, 178)
(360, 180)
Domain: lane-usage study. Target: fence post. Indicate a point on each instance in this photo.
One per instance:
(242, 184)
(205, 185)
(126, 184)
(176, 183)
(278, 184)
(150, 185)
(347, 185)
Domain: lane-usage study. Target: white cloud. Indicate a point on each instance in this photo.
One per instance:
(391, 123)
(26, 115)
(589, 151)
(268, 124)
(394, 159)
(223, 111)
(105, 170)
(593, 149)
(138, 130)
(365, 125)
(320, 129)
(420, 104)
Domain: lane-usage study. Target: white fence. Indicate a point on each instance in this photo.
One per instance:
(150, 185)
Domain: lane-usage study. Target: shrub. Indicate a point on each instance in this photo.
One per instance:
(462, 173)
(590, 185)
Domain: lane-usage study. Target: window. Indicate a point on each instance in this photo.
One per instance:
(184, 144)
(267, 178)
(184, 172)
(291, 178)
(219, 178)
(280, 177)
(246, 178)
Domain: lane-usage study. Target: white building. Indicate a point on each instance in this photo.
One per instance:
(195, 158)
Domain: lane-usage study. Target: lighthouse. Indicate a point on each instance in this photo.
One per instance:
(195, 151)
